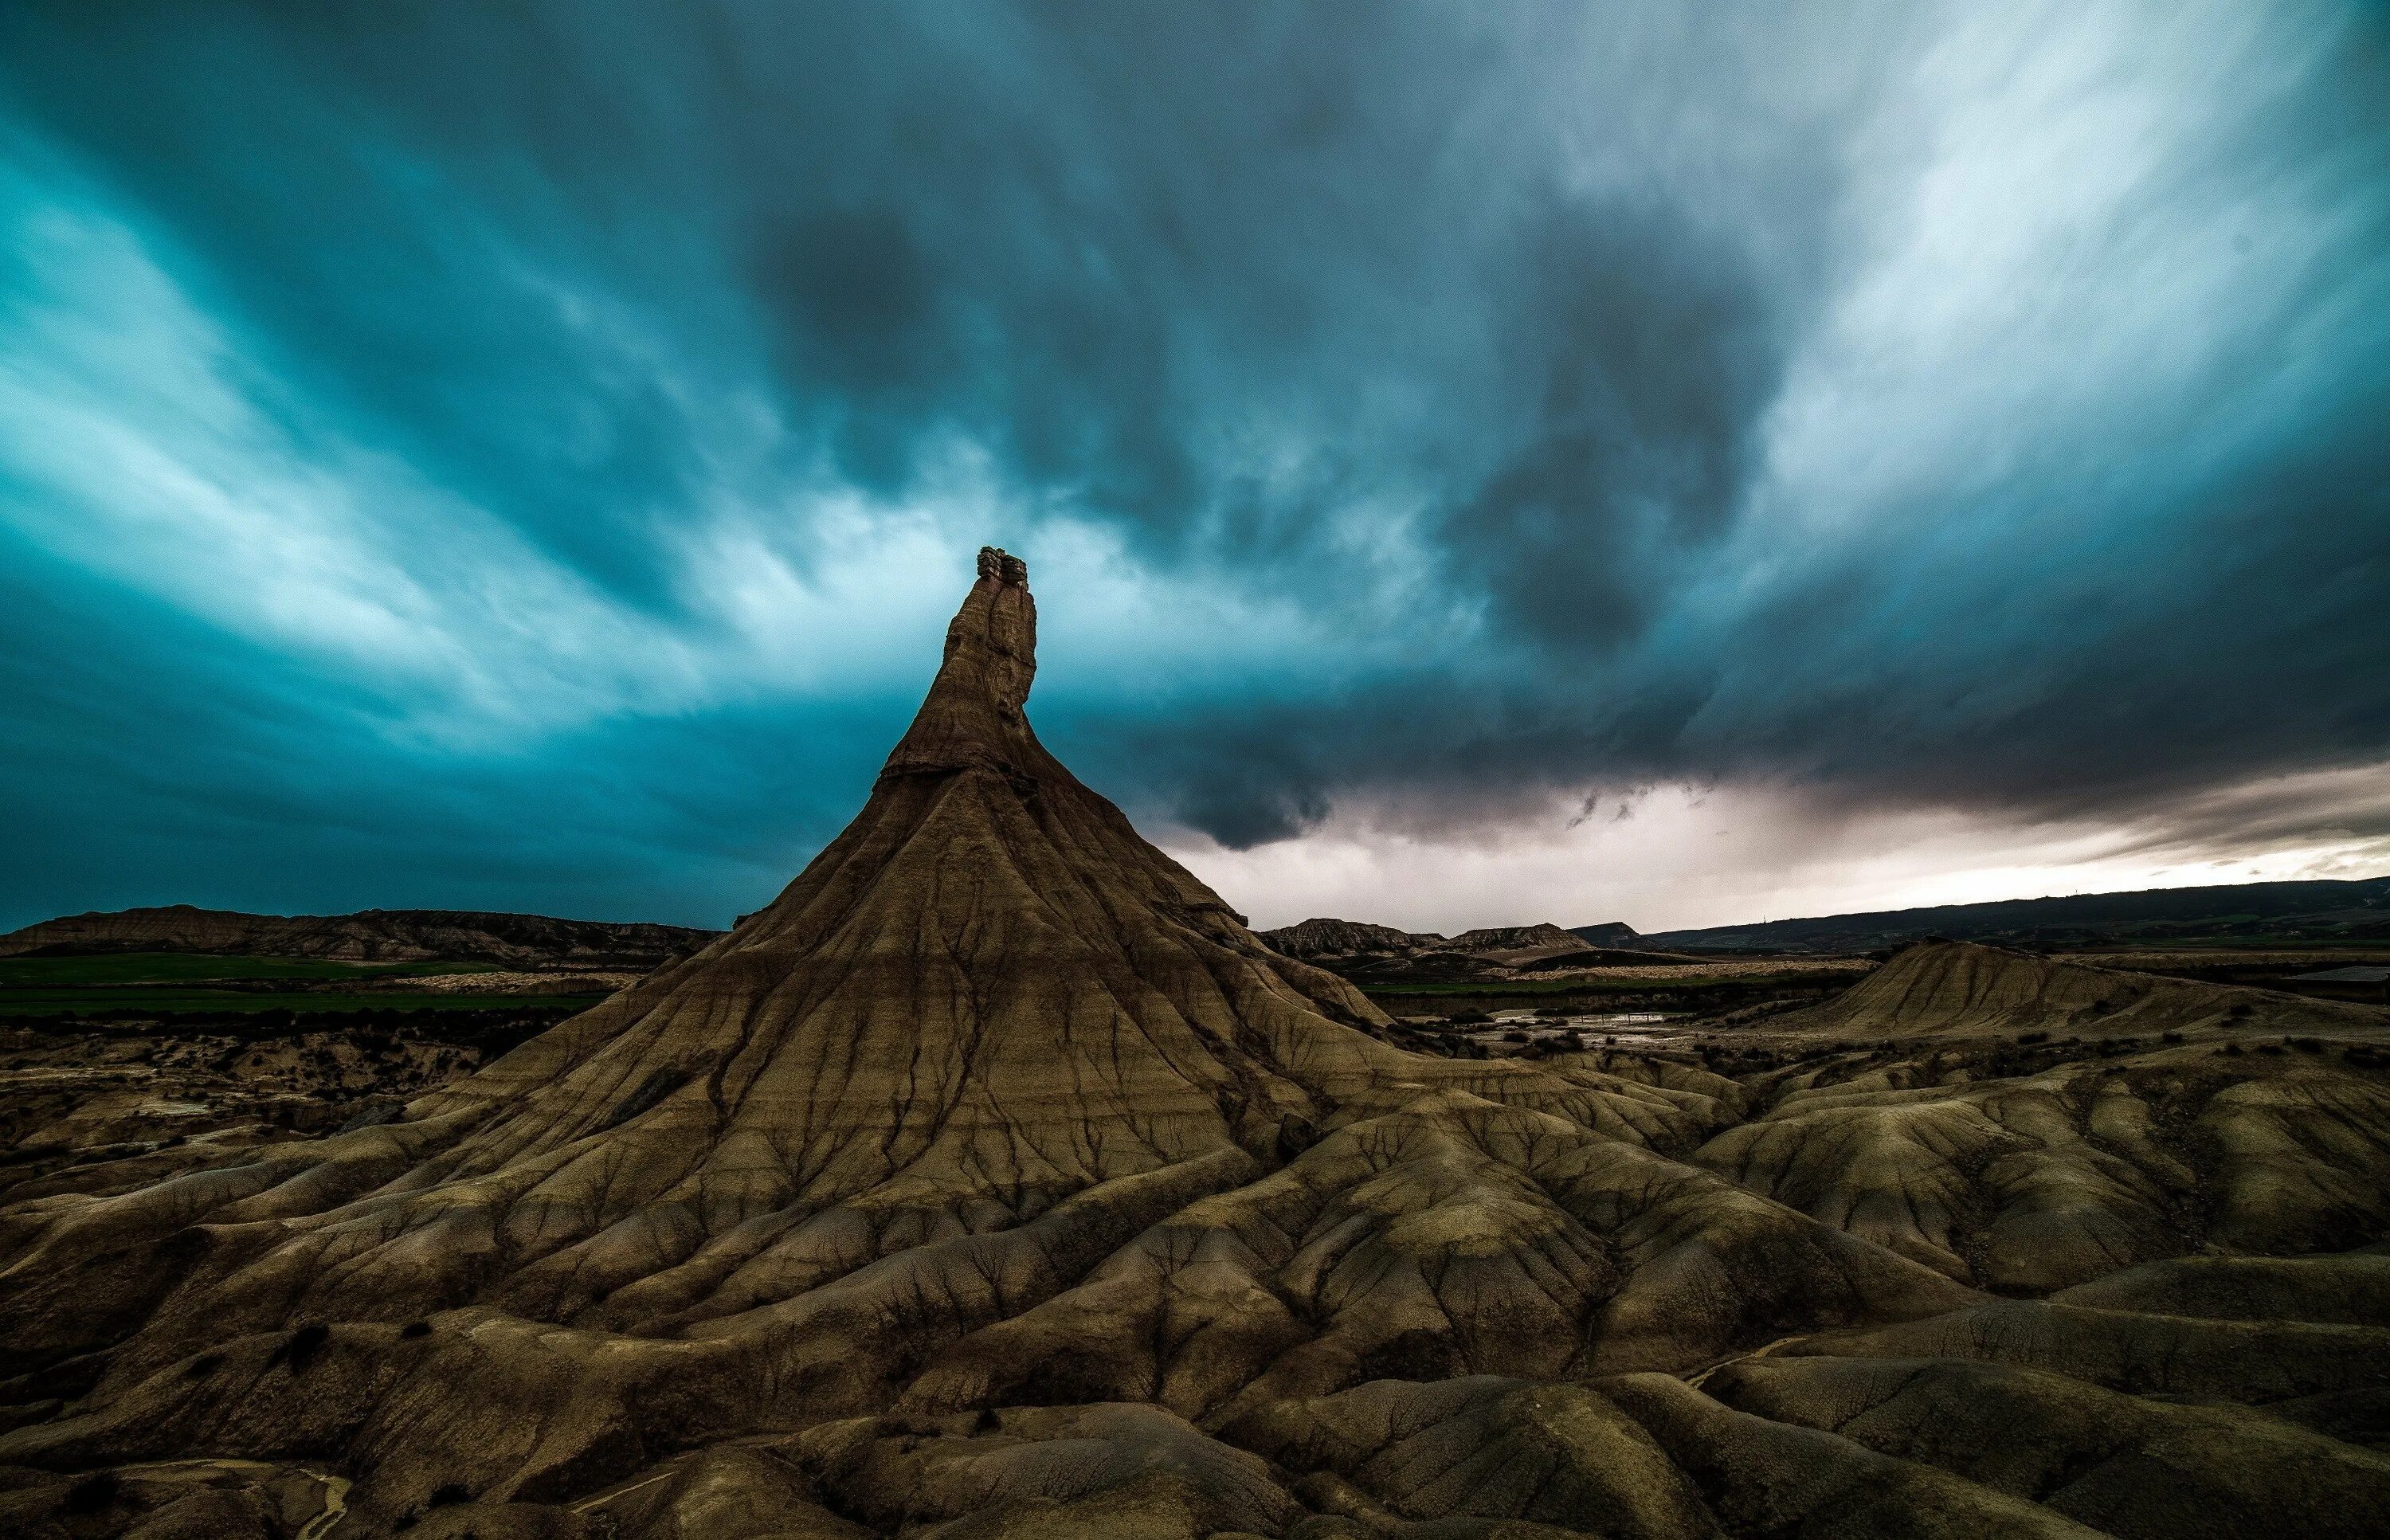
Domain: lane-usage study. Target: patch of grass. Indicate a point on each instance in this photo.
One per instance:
(172, 983)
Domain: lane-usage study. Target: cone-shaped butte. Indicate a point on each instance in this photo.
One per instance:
(986, 994)
(996, 1109)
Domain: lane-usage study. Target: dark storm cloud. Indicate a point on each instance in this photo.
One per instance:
(1654, 348)
(1485, 404)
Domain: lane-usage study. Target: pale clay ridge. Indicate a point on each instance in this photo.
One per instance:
(995, 1179)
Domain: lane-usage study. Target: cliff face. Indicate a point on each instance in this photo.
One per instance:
(995, 1181)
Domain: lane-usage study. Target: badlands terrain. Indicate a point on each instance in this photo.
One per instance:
(998, 1181)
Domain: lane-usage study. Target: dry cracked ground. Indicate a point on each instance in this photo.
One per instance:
(995, 1181)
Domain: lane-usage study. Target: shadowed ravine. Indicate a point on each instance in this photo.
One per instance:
(995, 1180)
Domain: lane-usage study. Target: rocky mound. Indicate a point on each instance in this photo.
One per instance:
(1960, 988)
(1380, 953)
(372, 935)
(1313, 939)
(1515, 938)
(996, 1181)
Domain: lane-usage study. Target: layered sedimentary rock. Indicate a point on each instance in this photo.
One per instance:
(1380, 953)
(995, 1180)
(1345, 938)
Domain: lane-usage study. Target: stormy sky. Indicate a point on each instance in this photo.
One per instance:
(1477, 463)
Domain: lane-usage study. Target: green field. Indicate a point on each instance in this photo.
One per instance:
(175, 967)
(170, 983)
(167, 1002)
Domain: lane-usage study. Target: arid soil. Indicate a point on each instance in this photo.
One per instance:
(996, 1181)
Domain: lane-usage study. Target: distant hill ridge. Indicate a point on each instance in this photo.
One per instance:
(370, 935)
(1960, 988)
(1349, 938)
(1343, 938)
(2353, 911)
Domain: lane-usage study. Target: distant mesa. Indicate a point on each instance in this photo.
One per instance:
(1614, 933)
(1381, 955)
(995, 1183)
(1501, 939)
(1345, 938)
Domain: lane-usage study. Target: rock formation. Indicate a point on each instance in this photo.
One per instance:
(1312, 939)
(995, 1181)
(1499, 939)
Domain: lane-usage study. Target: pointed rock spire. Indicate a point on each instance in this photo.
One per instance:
(973, 714)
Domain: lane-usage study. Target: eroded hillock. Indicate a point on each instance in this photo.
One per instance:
(995, 1181)
(1963, 989)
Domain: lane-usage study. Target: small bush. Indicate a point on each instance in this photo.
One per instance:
(2030, 1038)
(450, 1495)
(204, 1365)
(94, 1494)
(300, 1347)
(416, 1329)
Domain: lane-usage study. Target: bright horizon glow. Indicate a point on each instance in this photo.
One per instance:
(1688, 860)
